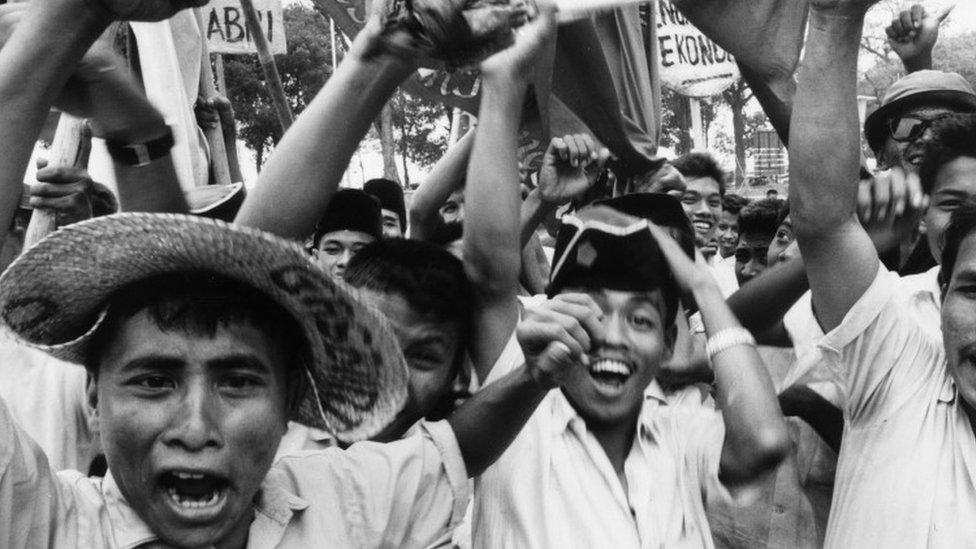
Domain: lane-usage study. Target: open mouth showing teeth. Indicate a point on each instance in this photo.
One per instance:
(610, 372)
(190, 491)
(702, 226)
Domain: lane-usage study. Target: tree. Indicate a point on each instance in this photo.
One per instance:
(422, 130)
(304, 70)
(737, 96)
(676, 120)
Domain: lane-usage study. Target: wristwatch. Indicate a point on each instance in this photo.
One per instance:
(140, 154)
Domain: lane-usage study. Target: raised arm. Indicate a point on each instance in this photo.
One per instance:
(119, 111)
(569, 168)
(492, 252)
(913, 34)
(756, 438)
(447, 176)
(824, 153)
(305, 170)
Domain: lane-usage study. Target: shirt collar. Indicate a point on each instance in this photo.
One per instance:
(130, 531)
(564, 416)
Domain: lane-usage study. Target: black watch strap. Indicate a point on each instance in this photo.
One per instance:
(140, 154)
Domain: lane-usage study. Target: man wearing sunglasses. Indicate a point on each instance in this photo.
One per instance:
(897, 131)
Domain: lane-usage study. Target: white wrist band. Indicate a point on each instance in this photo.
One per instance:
(726, 339)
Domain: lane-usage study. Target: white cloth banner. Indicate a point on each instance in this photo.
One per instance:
(691, 64)
(171, 55)
(227, 31)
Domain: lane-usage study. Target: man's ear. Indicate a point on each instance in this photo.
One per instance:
(670, 337)
(91, 390)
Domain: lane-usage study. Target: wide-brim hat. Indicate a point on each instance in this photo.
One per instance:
(927, 87)
(54, 296)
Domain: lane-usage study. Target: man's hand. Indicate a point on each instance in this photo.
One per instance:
(687, 273)
(556, 335)
(213, 111)
(889, 206)
(913, 34)
(569, 168)
(64, 190)
(518, 59)
(141, 10)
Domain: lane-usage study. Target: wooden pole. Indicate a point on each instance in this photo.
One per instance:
(215, 136)
(221, 78)
(70, 147)
(271, 77)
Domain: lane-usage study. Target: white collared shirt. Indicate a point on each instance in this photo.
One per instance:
(555, 486)
(906, 475)
(404, 494)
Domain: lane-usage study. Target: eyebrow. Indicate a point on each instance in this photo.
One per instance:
(153, 362)
(240, 361)
(955, 193)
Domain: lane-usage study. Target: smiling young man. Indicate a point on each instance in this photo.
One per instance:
(702, 197)
(616, 463)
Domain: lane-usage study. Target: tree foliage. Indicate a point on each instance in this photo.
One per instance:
(421, 130)
(304, 70)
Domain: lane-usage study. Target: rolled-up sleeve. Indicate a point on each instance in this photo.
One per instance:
(407, 493)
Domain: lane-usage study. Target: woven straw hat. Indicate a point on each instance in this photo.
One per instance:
(53, 297)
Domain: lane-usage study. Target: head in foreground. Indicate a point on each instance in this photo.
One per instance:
(202, 340)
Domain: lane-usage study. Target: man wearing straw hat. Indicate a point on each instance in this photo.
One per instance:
(202, 340)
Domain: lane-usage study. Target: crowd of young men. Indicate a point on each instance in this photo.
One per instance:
(488, 366)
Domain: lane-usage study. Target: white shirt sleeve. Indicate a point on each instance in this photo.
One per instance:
(880, 358)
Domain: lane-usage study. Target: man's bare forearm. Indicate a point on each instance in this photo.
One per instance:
(447, 176)
(34, 65)
(304, 172)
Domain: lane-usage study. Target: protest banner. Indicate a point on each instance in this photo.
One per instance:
(692, 65)
(228, 33)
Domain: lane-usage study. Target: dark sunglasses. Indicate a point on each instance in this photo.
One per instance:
(910, 128)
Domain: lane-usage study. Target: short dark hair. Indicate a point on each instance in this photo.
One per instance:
(762, 217)
(961, 224)
(953, 136)
(201, 303)
(734, 203)
(427, 277)
(699, 164)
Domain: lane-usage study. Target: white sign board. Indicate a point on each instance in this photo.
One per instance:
(691, 64)
(227, 30)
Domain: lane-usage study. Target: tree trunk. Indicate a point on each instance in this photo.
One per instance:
(384, 127)
(404, 155)
(258, 159)
(739, 132)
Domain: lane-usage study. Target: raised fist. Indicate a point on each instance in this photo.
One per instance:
(556, 336)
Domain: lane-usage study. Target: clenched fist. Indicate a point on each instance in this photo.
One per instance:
(557, 335)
